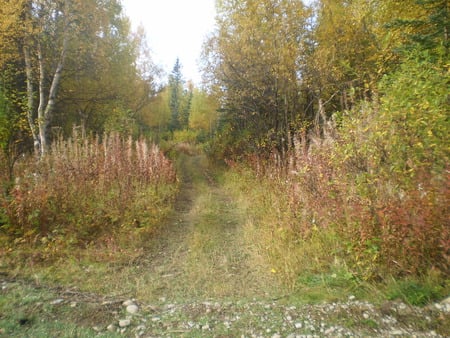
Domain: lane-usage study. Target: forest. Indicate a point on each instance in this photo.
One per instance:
(328, 121)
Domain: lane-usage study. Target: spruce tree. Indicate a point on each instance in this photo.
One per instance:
(176, 93)
(185, 110)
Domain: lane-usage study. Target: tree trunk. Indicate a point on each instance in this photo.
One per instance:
(40, 110)
(45, 114)
(320, 115)
(30, 97)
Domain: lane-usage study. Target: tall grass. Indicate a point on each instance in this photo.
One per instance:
(338, 208)
(389, 223)
(88, 189)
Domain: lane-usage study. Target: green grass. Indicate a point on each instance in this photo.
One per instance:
(308, 269)
(28, 311)
(418, 291)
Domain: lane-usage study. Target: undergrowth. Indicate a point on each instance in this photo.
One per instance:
(318, 262)
(104, 194)
(365, 201)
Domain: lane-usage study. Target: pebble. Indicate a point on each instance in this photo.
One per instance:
(132, 308)
(141, 328)
(274, 320)
(396, 332)
(443, 305)
(124, 323)
(402, 306)
(298, 325)
(329, 331)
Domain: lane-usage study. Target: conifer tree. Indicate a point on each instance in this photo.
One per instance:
(185, 110)
(176, 91)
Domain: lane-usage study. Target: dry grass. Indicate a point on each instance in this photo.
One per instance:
(273, 230)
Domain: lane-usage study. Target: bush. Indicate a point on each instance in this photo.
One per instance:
(86, 188)
(396, 160)
(378, 187)
(414, 119)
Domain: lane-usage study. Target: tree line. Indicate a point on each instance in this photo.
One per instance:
(345, 100)
(70, 62)
(281, 67)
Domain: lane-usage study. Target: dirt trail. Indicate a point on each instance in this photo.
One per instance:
(201, 252)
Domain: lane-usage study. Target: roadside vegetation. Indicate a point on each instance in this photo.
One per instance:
(89, 194)
(356, 205)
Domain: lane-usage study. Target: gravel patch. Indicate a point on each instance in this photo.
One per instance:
(274, 319)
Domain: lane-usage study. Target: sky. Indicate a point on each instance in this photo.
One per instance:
(174, 28)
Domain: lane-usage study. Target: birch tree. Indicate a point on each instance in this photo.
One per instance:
(50, 27)
(77, 52)
(67, 62)
(104, 57)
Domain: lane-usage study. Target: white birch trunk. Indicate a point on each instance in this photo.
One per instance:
(45, 114)
(30, 97)
(40, 120)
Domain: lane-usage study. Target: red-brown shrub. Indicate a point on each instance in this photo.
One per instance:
(387, 225)
(86, 187)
